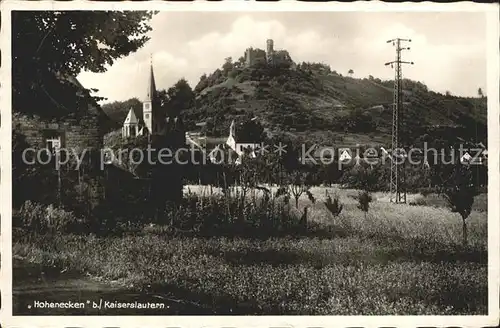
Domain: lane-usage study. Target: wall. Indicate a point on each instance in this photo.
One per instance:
(255, 56)
(76, 135)
(79, 134)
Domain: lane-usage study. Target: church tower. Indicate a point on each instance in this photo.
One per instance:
(149, 115)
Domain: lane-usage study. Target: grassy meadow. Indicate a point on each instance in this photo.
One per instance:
(400, 259)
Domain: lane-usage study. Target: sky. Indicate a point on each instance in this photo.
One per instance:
(448, 48)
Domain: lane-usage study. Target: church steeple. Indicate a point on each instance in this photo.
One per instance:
(151, 84)
(148, 110)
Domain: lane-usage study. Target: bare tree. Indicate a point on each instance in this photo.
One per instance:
(298, 186)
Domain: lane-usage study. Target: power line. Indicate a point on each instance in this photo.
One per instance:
(398, 175)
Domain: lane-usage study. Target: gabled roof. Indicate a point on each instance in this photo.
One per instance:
(92, 105)
(345, 156)
(131, 117)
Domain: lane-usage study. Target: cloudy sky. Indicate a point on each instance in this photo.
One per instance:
(449, 49)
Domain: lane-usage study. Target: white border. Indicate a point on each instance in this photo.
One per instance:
(491, 319)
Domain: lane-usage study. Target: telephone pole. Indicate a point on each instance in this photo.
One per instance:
(398, 175)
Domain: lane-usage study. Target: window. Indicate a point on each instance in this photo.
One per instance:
(146, 106)
(147, 116)
(53, 144)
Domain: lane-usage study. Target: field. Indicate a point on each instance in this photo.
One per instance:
(400, 259)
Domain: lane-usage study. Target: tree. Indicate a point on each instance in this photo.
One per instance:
(128, 157)
(459, 189)
(178, 97)
(240, 63)
(358, 121)
(118, 110)
(335, 207)
(202, 84)
(233, 73)
(298, 184)
(329, 173)
(227, 66)
(48, 45)
(250, 131)
(350, 72)
(480, 92)
(364, 200)
(248, 173)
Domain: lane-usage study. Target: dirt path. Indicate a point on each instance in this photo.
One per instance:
(34, 287)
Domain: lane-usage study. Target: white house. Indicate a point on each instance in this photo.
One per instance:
(345, 156)
(240, 148)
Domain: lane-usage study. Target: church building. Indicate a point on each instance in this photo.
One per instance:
(131, 125)
(153, 117)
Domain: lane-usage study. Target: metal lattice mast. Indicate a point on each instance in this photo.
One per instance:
(398, 175)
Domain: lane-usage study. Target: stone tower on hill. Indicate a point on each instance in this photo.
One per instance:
(270, 57)
(269, 51)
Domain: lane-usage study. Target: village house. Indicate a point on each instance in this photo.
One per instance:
(76, 123)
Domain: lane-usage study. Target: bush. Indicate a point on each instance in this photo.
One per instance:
(366, 178)
(364, 200)
(419, 201)
(335, 207)
(426, 191)
(42, 219)
(233, 214)
(31, 215)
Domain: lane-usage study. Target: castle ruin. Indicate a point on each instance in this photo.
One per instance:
(270, 56)
(269, 51)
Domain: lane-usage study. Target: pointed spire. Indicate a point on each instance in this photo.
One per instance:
(151, 82)
(131, 118)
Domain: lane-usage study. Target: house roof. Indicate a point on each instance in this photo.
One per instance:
(80, 89)
(131, 117)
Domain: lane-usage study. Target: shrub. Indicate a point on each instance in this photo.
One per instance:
(419, 201)
(233, 214)
(42, 219)
(335, 207)
(364, 200)
(31, 215)
(426, 191)
(366, 178)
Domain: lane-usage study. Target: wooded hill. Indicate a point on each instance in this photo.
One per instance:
(314, 103)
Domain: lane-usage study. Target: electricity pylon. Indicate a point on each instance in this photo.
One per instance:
(398, 175)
